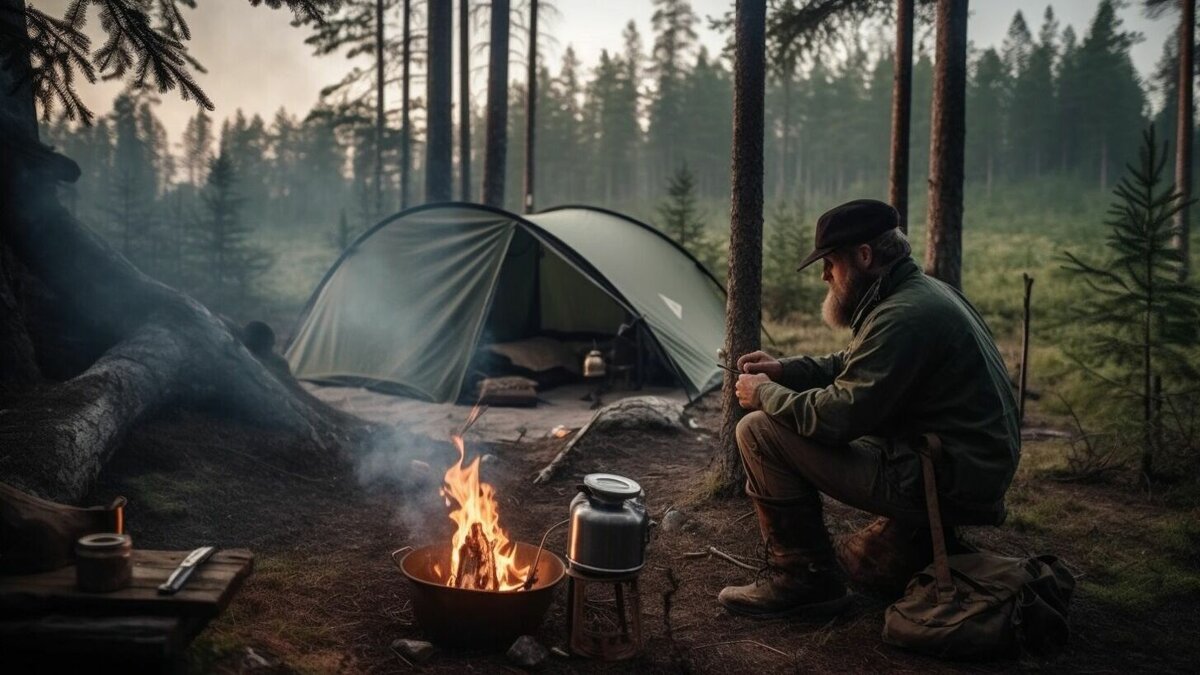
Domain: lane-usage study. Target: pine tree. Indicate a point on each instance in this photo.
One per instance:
(133, 184)
(987, 104)
(232, 262)
(675, 27)
(679, 215)
(197, 147)
(1139, 317)
(786, 291)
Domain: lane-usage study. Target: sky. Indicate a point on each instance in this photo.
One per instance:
(258, 62)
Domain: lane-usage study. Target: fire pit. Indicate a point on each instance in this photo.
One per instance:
(467, 617)
(479, 588)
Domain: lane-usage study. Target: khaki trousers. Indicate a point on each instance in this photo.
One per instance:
(783, 466)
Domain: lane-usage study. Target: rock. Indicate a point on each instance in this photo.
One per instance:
(642, 413)
(527, 652)
(252, 660)
(673, 521)
(560, 652)
(417, 651)
(489, 459)
(419, 469)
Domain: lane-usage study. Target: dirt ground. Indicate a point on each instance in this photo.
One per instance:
(325, 597)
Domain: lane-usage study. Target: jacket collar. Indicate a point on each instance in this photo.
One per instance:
(900, 271)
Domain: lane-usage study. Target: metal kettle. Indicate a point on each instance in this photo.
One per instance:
(609, 526)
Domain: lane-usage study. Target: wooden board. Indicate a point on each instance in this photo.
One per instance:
(205, 595)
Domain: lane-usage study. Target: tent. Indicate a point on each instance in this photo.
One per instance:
(406, 306)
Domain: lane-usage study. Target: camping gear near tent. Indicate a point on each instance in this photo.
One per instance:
(406, 308)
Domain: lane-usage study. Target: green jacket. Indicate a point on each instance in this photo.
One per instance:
(921, 360)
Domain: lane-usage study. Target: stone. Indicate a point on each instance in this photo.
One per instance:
(560, 652)
(417, 651)
(252, 660)
(673, 521)
(527, 652)
(489, 458)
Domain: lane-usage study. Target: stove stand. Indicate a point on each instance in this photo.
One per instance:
(604, 615)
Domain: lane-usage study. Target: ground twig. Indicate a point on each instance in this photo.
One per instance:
(730, 559)
(752, 642)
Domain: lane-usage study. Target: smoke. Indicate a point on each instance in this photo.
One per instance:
(409, 467)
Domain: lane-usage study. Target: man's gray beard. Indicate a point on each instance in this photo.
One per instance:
(841, 302)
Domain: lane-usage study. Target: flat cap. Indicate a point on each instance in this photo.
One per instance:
(855, 222)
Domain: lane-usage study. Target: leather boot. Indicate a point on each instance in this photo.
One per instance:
(800, 574)
(882, 557)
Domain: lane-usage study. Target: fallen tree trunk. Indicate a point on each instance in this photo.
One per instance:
(158, 346)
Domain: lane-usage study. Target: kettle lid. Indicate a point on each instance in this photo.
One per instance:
(611, 486)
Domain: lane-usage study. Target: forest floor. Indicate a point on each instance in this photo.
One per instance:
(325, 597)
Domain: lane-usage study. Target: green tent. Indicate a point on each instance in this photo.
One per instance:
(407, 306)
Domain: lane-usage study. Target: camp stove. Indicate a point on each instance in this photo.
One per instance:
(606, 550)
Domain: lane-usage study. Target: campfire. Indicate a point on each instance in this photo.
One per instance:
(462, 585)
(481, 555)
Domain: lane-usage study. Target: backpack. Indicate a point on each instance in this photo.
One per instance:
(979, 605)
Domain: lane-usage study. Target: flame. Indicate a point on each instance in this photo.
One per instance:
(473, 502)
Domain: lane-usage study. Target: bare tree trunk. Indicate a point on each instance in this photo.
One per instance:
(405, 104)
(743, 314)
(1183, 130)
(379, 108)
(901, 112)
(1104, 164)
(464, 98)
(439, 144)
(943, 250)
(496, 157)
(531, 107)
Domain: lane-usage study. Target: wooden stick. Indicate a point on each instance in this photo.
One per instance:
(751, 642)
(728, 558)
(1024, 348)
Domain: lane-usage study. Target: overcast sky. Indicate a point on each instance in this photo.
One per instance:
(258, 62)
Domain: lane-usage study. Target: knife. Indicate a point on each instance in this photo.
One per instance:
(180, 576)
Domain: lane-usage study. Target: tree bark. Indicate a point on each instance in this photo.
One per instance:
(743, 309)
(496, 143)
(379, 108)
(439, 144)
(464, 99)
(943, 250)
(901, 112)
(405, 105)
(531, 108)
(1183, 131)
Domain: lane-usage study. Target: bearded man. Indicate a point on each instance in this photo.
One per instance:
(920, 361)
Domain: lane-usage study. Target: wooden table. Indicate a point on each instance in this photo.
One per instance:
(45, 620)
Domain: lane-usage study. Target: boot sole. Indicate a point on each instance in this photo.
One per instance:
(818, 609)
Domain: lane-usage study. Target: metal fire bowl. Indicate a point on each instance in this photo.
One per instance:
(463, 617)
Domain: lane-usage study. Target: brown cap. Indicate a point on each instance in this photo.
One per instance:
(855, 222)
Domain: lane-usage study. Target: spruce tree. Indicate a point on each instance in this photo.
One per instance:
(197, 147)
(1139, 319)
(674, 23)
(679, 215)
(785, 291)
(232, 262)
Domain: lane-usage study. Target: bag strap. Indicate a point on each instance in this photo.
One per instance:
(941, 565)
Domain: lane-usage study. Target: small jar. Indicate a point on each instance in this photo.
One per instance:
(103, 562)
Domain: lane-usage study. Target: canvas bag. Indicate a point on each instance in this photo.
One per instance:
(979, 605)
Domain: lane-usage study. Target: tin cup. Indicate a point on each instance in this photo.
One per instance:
(103, 562)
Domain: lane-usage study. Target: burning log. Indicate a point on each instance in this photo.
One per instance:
(476, 562)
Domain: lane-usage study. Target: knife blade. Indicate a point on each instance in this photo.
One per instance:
(181, 574)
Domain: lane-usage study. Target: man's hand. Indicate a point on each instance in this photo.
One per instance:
(747, 389)
(761, 362)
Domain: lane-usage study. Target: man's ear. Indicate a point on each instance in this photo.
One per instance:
(864, 256)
